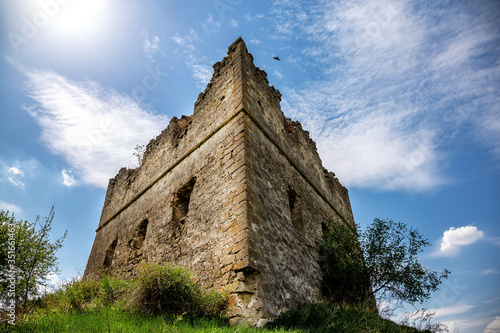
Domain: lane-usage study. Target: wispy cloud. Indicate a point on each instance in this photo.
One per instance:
(398, 89)
(454, 239)
(211, 26)
(94, 128)
(150, 44)
(10, 207)
(197, 64)
(490, 271)
(451, 310)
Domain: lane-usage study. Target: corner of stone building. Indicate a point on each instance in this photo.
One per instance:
(240, 98)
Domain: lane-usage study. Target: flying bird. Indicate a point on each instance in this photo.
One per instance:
(276, 58)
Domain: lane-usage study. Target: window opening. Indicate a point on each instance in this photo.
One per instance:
(140, 235)
(180, 202)
(110, 253)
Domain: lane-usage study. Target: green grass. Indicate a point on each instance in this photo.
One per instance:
(164, 299)
(323, 317)
(311, 318)
(109, 319)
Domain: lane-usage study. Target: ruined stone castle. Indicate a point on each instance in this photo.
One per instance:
(236, 193)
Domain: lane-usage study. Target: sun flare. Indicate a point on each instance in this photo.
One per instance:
(80, 18)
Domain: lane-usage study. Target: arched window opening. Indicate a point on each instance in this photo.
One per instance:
(140, 235)
(180, 202)
(110, 253)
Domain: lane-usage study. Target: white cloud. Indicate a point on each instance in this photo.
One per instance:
(211, 26)
(178, 40)
(53, 283)
(490, 271)
(15, 182)
(10, 207)
(398, 87)
(54, 280)
(494, 326)
(234, 23)
(456, 238)
(15, 171)
(201, 71)
(68, 179)
(19, 173)
(151, 45)
(94, 128)
(15, 176)
(451, 310)
(367, 146)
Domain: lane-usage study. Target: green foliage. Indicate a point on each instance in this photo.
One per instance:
(139, 154)
(32, 256)
(391, 255)
(332, 317)
(345, 278)
(78, 294)
(169, 289)
(112, 290)
(386, 254)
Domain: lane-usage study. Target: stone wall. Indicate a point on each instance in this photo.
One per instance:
(236, 192)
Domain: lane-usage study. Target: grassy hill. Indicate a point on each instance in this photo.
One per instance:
(314, 318)
(164, 299)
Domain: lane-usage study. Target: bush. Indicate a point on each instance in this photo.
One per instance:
(169, 289)
(345, 278)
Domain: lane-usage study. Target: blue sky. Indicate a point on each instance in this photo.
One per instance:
(401, 97)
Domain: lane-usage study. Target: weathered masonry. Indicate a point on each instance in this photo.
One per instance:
(236, 192)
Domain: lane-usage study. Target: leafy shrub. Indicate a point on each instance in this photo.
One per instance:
(169, 289)
(345, 278)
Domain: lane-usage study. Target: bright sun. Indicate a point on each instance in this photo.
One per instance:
(80, 18)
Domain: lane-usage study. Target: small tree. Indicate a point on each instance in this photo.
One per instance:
(345, 278)
(391, 256)
(27, 255)
(384, 258)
